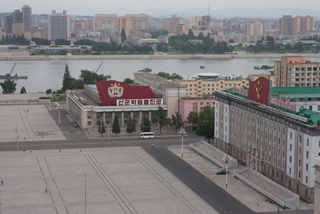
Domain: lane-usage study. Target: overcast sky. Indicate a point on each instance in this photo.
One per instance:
(122, 7)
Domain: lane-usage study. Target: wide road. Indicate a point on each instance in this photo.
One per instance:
(96, 143)
(214, 195)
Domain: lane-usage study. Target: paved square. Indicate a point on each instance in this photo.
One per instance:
(33, 123)
(106, 180)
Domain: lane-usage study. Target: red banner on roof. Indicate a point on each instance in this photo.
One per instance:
(258, 90)
(110, 91)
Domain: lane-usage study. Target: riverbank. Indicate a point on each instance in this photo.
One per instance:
(24, 56)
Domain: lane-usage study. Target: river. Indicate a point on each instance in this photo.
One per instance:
(43, 75)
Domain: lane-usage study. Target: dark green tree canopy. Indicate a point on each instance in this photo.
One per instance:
(128, 81)
(123, 35)
(159, 117)
(145, 125)
(66, 84)
(177, 121)
(206, 123)
(8, 86)
(116, 126)
(23, 90)
(89, 77)
(102, 128)
(131, 127)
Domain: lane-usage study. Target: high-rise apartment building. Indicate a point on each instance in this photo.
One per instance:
(138, 22)
(79, 25)
(286, 25)
(17, 29)
(35, 21)
(124, 24)
(17, 16)
(105, 21)
(8, 20)
(89, 25)
(27, 17)
(303, 23)
(58, 26)
(296, 71)
(254, 28)
(187, 23)
(195, 20)
(171, 25)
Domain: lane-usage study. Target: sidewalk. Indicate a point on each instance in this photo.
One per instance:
(244, 193)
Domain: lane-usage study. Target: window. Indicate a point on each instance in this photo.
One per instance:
(290, 135)
(307, 167)
(310, 107)
(89, 123)
(212, 84)
(318, 107)
(306, 179)
(307, 141)
(290, 147)
(290, 159)
(290, 170)
(89, 114)
(307, 155)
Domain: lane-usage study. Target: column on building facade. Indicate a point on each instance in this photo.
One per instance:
(94, 119)
(122, 119)
(139, 118)
(112, 117)
(150, 115)
(104, 118)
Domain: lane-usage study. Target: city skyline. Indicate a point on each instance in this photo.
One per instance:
(164, 7)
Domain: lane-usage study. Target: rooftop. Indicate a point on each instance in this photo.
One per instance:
(299, 92)
(160, 80)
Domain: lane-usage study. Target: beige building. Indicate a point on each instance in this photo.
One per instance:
(138, 22)
(43, 34)
(303, 24)
(89, 24)
(205, 87)
(79, 25)
(254, 28)
(124, 24)
(105, 21)
(17, 29)
(296, 71)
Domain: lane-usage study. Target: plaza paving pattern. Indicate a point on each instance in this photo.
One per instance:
(104, 180)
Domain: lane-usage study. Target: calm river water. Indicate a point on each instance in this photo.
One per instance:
(43, 75)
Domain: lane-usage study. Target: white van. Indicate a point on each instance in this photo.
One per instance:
(146, 135)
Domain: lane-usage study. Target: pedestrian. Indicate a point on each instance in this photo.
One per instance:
(152, 145)
(46, 191)
(278, 209)
(1, 182)
(23, 150)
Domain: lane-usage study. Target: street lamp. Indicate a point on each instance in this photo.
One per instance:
(59, 115)
(16, 129)
(108, 133)
(182, 132)
(226, 159)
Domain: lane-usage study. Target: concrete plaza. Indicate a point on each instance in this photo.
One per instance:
(27, 123)
(107, 180)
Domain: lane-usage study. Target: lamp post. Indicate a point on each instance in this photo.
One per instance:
(182, 132)
(16, 129)
(59, 115)
(108, 133)
(226, 158)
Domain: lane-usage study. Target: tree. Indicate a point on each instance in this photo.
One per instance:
(48, 91)
(193, 118)
(66, 84)
(128, 81)
(177, 121)
(145, 125)
(160, 118)
(116, 126)
(23, 90)
(102, 128)
(8, 86)
(206, 123)
(123, 36)
(131, 127)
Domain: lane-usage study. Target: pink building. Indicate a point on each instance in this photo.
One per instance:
(186, 105)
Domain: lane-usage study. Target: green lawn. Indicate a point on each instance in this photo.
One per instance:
(58, 98)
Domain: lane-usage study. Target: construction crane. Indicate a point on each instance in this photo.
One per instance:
(8, 75)
(98, 68)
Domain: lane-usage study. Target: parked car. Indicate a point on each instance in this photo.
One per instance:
(75, 125)
(222, 172)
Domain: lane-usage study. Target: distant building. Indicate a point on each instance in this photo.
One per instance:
(58, 26)
(17, 29)
(171, 25)
(27, 18)
(124, 24)
(254, 28)
(79, 25)
(301, 24)
(286, 25)
(104, 21)
(138, 22)
(296, 71)
(17, 16)
(89, 24)
(8, 20)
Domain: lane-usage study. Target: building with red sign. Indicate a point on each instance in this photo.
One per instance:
(106, 100)
(268, 135)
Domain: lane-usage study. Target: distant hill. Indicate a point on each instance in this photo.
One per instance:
(230, 12)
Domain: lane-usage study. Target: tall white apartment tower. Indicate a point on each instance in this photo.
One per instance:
(58, 26)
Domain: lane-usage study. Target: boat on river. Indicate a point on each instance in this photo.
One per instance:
(145, 70)
(263, 67)
(15, 77)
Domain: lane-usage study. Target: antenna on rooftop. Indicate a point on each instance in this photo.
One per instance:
(208, 9)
